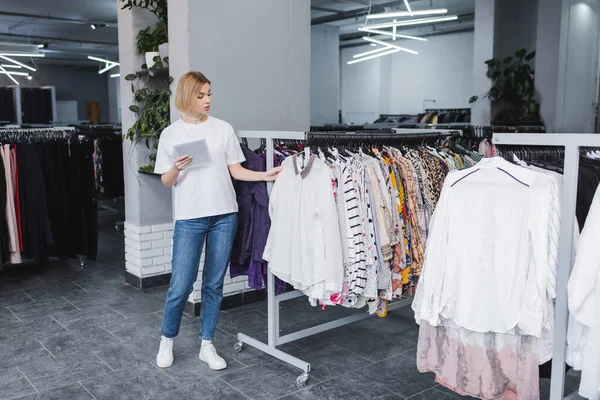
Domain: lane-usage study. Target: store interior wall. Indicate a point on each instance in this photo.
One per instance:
(515, 26)
(440, 76)
(114, 99)
(324, 75)
(71, 84)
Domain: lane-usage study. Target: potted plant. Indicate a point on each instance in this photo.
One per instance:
(146, 45)
(152, 107)
(513, 91)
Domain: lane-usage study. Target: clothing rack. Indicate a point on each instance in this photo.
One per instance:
(274, 338)
(572, 144)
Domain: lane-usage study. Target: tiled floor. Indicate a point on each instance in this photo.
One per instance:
(78, 334)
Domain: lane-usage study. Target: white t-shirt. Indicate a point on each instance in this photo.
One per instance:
(208, 190)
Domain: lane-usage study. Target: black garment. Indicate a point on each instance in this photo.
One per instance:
(82, 189)
(4, 238)
(37, 234)
(36, 105)
(7, 105)
(111, 179)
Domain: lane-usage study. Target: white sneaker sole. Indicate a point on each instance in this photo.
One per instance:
(220, 368)
(166, 365)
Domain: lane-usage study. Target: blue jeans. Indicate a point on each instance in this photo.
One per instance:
(188, 241)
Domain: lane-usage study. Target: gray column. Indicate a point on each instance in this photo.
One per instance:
(483, 49)
(324, 74)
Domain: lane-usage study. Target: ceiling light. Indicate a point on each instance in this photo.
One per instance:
(23, 54)
(414, 22)
(373, 44)
(385, 53)
(394, 31)
(18, 66)
(378, 32)
(17, 62)
(407, 13)
(9, 75)
(366, 53)
(108, 64)
(14, 73)
(407, 5)
(29, 77)
(115, 75)
(93, 26)
(42, 46)
(368, 39)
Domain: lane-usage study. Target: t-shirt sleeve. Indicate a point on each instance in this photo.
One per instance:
(164, 158)
(234, 153)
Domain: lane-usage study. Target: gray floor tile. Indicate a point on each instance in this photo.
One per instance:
(120, 357)
(450, 393)
(40, 327)
(347, 387)
(63, 288)
(73, 391)
(89, 338)
(297, 310)
(14, 297)
(95, 297)
(144, 346)
(400, 375)
(6, 316)
(188, 369)
(397, 323)
(329, 360)
(8, 284)
(269, 380)
(50, 373)
(41, 308)
(148, 325)
(212, 389)
(20, 350)
(369, 342)
(13, 383)
(259, 306)
(435, 394)
(142, 382)
(249, 323)
(76, 319)
(131, 308)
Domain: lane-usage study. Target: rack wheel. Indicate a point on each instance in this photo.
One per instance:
(82, 261)
(301, 380)
(118, 228)
(238, 347)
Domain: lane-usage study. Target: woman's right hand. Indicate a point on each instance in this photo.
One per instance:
(182, 162)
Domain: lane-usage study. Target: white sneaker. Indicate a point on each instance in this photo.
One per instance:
(164, 359)
(209, 355)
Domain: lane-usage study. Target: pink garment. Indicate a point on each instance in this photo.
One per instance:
(11, 214)
(483, 365)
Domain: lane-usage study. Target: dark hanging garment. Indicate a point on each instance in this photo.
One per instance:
(7, 106)
(37, 234)
(84, 221)
(4, 239)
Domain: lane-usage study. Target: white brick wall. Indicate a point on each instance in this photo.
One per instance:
(148, 252)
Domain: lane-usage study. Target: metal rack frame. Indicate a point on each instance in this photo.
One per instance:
(572, 143)
(274, 338)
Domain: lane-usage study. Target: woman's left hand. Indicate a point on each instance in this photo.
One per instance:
(272, 174)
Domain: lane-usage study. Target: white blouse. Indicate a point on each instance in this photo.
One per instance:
(583, 351)
(304, 245)
(486, 261)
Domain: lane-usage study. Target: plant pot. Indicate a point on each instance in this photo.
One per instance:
(150, 58)
(163, 50)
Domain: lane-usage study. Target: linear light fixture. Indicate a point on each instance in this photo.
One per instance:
(14, 73)
(407, 6)
(379, 32)
(11, 66)
(382, 43)
(367, 53)
(108, 64)
(2, 70)
(115, 75)
(398, 14)
(414, 22)
(381, 54)
(23, 54)
(17, 63)
(394, 30)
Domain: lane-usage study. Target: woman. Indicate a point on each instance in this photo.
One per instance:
(205, 208)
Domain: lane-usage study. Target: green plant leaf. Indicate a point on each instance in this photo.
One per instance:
(130, 77)
(520, 54)
(156, 59)
(166, 59)
(508, 60)
(134, 108)
(473, 99)
(530, 56)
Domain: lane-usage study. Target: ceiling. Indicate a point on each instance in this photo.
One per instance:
(65, 26)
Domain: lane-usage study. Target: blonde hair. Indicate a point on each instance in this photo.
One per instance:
(188, 90)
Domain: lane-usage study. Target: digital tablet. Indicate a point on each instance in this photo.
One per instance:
(197, 149)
